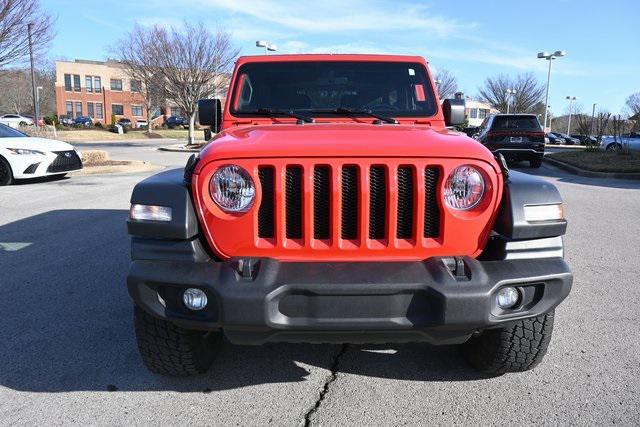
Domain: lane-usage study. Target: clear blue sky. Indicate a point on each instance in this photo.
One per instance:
(473, 39)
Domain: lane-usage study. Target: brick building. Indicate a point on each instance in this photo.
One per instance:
(98, 89)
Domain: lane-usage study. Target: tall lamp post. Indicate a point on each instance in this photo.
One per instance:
(549, 57)
(571, 99)
(36, 109)
(268, 47)
(510, 94)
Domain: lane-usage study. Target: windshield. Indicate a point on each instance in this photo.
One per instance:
(397, 89)
(516, 122)
(7, 132)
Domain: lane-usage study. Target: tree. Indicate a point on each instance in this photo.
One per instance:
(447, 83)
(193, 63)
(14, 17)
(16, 95)
(136, 52)
(529, 92)
(633, 103)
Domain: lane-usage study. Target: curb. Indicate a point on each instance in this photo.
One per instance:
(590, 174)
(179, 148)
(134, 166)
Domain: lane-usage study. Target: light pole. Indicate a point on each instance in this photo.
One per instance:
(36, 109)
(268, 47)
(571, 99)
(593, 116)
(510, 93)
(549, 116)
(549, 57)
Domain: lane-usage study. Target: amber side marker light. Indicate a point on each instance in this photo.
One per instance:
(540, 213)
(150, 213)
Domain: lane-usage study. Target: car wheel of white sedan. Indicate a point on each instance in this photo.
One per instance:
(614, 147)
(6, 175)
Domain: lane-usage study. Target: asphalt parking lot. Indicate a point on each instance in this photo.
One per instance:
(68, 353)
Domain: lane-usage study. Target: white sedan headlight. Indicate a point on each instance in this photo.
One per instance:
(26, 152)
(464, 188)
(232, 189)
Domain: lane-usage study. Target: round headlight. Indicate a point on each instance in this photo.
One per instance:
(464, 188)
(232, 189)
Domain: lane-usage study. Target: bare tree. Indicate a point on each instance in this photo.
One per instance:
(633, 103)
(14, 17)
(620, 126)
(136, 52)
(193, 62)
(16, 95)
(529, 92)
(447, 83)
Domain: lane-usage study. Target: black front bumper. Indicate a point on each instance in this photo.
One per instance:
(348, 302)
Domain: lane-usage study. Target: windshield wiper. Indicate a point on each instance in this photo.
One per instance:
(290, 113)
(351, 112)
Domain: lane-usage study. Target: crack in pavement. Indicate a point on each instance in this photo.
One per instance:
(325, 389)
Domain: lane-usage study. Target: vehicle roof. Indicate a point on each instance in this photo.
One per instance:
(514, 114)
(330, 57)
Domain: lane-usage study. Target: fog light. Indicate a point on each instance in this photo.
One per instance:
(508, 297)
(194, 299)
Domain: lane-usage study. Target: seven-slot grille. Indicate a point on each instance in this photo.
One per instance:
(64, 162)
(392, 194)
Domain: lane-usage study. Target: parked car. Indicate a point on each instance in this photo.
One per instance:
(555, 138)
(585, 139)
(141, 123)
(66, 120)
(379, 225)
(125, 122)
(569, 140)
(516, 136)
(175, 121)
(33, 119)
(85, 121)
(610, 143)
(22, 156)
(15, 120)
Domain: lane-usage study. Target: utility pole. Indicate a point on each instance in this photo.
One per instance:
(36, 108)
(571, 99)
(593, 116)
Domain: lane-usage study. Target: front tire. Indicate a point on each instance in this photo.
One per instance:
(517, 347)
(168, 349)
(6, 175)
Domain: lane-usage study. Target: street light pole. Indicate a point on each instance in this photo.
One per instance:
(268, 47)
(510, 93)
(36, 109)
(549, 57)
(571, 99)
(593, 115)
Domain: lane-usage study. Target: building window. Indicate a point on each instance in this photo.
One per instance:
(90, 109)
(117, 109)
(78, 109)
(97, 83)
(76, 83)
(482, 113)
(136, 86)
(473, 113)
(116, 84)
(99, 114)
(69, 106)
(88, 83)
(67, 82)
(136, 110)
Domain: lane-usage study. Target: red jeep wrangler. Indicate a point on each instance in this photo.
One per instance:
(335, 205)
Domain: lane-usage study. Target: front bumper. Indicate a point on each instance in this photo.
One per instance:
(348, 302)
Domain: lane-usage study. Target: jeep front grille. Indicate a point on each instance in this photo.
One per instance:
(379, 208)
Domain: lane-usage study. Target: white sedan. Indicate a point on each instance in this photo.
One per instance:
(23, 157)
(15, 120)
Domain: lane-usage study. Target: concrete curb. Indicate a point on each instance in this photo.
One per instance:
(591, 174)
(179, 148)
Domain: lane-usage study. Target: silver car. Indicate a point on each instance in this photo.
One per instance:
(609, 143)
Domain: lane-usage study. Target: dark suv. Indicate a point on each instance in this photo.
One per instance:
(516, 136)
(175, 121)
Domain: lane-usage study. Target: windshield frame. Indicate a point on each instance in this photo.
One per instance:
(429, 89)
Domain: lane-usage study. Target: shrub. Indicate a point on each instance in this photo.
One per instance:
(99, 125)
(92, 157)
(113, 119)
(60, 127)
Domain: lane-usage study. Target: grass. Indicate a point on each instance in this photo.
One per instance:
(600, 161)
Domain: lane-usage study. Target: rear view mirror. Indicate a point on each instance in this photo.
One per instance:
(453, 110)
(210, 113)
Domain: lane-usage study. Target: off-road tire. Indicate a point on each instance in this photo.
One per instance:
(6, 175)
(535, 163)
(168, 349)
(514, 348)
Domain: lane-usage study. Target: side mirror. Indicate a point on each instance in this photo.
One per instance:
(453, 110)
(210, 113)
